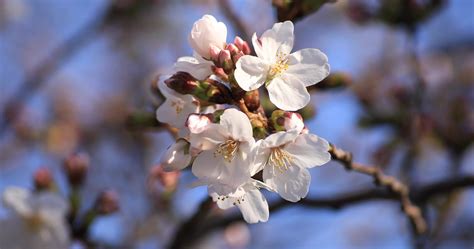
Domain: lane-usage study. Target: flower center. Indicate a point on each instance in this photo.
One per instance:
(280, 159)
(178, 105)
(280, 66)
(228, 149)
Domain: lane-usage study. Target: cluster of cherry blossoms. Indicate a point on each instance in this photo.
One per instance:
(234, 148)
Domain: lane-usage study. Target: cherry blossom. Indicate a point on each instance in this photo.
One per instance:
(287, 157)
(285, 75)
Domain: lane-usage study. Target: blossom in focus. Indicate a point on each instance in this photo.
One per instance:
(287, 157)
(227, 149)
(207, 32)
(285, 75)
(37, 220)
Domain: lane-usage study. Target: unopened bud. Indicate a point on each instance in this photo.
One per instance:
(277, 119)
(76, 167)
(197, 123)
(242, 45)
(252, 100)
(287, 121)
(169, 180)
(182, 82)
(232, 48)
(237, 56)
(225, 61)
(293, 122)
(214, 52)
(43, 179)
(107, 202)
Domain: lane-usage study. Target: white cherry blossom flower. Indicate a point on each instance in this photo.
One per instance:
(176, 107)
(286, 157)
(227, 149)
(285, 75)
(207, 32)
(37, 221)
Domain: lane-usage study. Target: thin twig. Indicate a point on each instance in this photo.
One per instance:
(391, 183)
(420, 194)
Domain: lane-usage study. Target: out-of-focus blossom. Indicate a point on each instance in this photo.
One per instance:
(285, 75)
(37, 220)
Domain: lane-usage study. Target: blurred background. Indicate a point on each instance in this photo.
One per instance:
(76, 77)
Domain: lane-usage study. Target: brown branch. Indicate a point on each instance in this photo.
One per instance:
(187, 232)
(421, 194)
(391, 183)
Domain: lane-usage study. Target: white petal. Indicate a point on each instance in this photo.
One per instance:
(177, 156)
(237, 124)
(51, 205)
(291, 184)
(198, 69)
(278, 139)
(213, 135)
(287, 95)
(164, 89)
(19, 200)
(308, 66)
(250, 72)
(209, 165)
(279, 39)
(254, 206)
(260, 156)
(309, 150)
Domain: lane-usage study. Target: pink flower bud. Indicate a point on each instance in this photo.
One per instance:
(225, 61)
(293, 121)
(214, 52)
(197, 123)
(76, 167)
(242, 45)
(43, 179)
(232, 48)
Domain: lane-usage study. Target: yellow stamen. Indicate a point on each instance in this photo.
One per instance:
(178, 105)
(280, 159)
(227, 149)
(280, 66)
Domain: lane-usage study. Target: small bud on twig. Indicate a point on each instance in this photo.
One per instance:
(43, 179)
(107, 202)
(76, 167)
